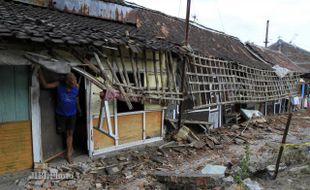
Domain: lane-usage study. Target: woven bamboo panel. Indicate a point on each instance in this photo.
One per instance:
(213, 82)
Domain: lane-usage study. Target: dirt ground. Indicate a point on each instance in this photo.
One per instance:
(138, 168)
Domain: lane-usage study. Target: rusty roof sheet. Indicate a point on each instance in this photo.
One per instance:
(274, 57)
(203, 40)
(27, 22)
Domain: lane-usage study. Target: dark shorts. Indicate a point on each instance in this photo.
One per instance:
(64, 122)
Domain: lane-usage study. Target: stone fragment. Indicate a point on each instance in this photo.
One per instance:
(112, 170)
(228, 180)
(235, 127)
(122, 158)
(40, 166)
(53, 171)
(251, 185)
(98, 185)
(199, 144)
(217, 170)
(239, 141)
(272, 168)
(71, 182)
(82, 168)
(39, 183)
(65, 168)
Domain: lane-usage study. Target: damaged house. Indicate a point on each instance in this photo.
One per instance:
(132, 69)
(134, 74)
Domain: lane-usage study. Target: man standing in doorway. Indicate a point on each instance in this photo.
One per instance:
(66, 108)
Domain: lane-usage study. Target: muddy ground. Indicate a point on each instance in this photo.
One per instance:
(178, 165)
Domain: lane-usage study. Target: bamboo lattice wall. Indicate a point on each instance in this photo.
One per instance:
(213, 82)
(152, 73)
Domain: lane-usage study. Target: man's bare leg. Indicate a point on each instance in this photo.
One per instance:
(69, 145)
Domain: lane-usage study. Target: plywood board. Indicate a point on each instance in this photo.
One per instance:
(130, 128)
(15, 146)
(102, 140)
(104, 126)
(52, 143)
(153, 122)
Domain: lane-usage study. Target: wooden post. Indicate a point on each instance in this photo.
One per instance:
(181, 107)
(283, 142)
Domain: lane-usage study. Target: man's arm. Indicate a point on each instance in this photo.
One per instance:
(78, 106)
(46, 84)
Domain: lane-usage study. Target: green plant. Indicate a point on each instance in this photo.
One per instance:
(244, 170)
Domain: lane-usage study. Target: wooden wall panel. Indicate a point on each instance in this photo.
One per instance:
(130, 128)
(15, 146)
(105, 125)
(102, 140)
(153, 124)
(52, 143)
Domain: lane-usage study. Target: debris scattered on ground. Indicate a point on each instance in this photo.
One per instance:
(184, 157)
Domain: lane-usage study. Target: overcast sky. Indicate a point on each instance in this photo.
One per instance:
(246, 19)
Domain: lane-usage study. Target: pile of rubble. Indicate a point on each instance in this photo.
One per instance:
(180, 158)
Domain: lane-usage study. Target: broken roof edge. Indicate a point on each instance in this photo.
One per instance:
(289, 44)
(192, 23)
(250, 46)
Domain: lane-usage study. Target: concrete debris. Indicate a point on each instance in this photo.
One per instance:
(272, 168)
(82, 168)
(228, 179)
(251, 185)
(98, 185)
(214, 170)
(235, 127)
(38, 183)
(40, 166)
(113, 170)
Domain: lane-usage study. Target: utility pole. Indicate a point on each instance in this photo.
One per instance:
(188, 10)
(181, 106)
(266, 37)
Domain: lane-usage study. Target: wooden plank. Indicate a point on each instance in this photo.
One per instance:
(134, 67)
(130, 128)
(155, 70)
(153, 122)
(124, 67)
(138, 71)
(120, 71)
(102, 140)
(102, 70)
(161, 72)
(15, 146)
(170, 61)
(146, 70)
